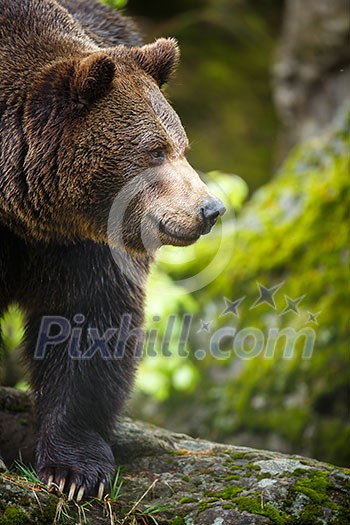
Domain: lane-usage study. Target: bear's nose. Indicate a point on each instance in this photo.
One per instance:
(211, 209)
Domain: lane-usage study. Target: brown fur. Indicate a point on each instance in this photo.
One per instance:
(84, 126)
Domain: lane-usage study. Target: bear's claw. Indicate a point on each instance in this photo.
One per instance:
(62, 484)
(101, 490)
(77, 489)
(80, 494)
(50, 481)
(72, 491)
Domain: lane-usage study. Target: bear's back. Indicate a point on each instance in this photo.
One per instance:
(37, 30)
(104, 25)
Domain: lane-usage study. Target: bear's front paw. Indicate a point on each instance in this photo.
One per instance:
(82, 468)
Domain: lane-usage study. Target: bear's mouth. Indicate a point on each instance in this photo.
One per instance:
(179, 237)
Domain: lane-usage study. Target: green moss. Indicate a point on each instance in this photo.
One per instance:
(48, 511)
(264, 475)
(247, 503)
(202, 505)
(251, 466)
(297, 472)
(231, 477)
(186, 478)
(228, 493)
(228, 506)
(254, 506)
(179, 520)
(343, 517)
(187, 500)
(314, 486)
(14, 516)
(229, 463)
(238, 455)
(23, 501)
(310, 514)
(205, 504)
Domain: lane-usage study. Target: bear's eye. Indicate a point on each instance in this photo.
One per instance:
(157, 155)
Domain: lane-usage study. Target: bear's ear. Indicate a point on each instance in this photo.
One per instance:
(92, 78)
(158, 59)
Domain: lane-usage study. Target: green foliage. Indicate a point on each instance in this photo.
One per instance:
(295, 230)
(28, 473)
(12, 332)
(118, 4)
(115, 486)
(11, 328)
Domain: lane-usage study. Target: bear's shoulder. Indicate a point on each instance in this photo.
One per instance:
(104, 25)
(29, 26)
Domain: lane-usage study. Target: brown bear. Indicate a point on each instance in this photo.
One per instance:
(82, 117)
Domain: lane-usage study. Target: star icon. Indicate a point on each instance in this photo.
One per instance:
(292, 304)
(205, 326)
(312, 317)
(232, 306)
(267, 295)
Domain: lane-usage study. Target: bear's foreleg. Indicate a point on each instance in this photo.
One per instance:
(79, 379)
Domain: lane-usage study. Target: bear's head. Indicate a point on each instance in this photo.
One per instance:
(102, 136)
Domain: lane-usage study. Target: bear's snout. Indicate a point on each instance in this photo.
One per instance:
(183, 208)
(210, 210)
